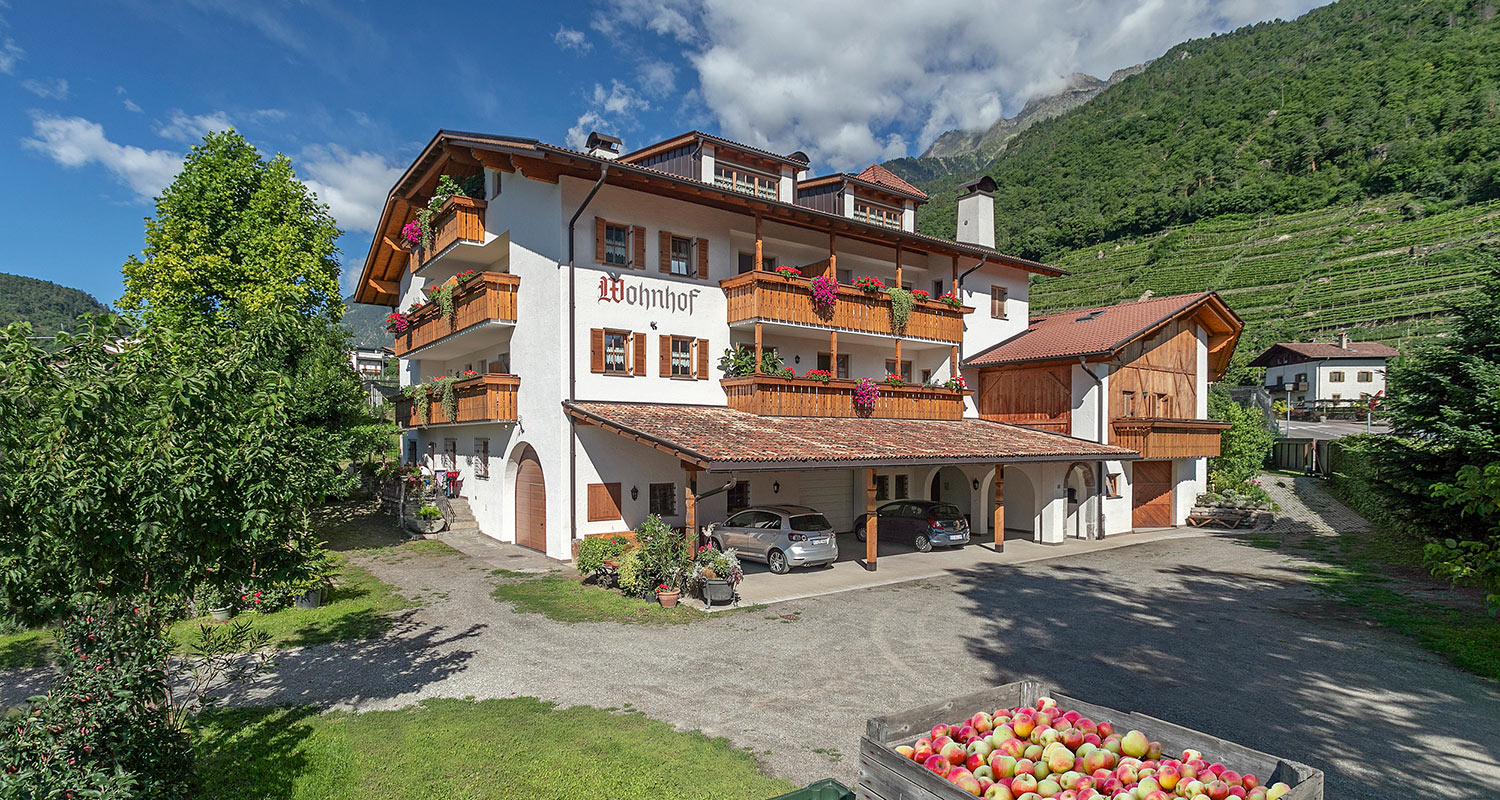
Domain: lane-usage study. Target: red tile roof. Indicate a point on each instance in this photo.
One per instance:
(721, 438)
(880, 175)
(1296, 352)
(1086, 332)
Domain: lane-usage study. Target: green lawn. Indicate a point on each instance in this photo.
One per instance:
(24, 649)
(567, 599)
(511, 748)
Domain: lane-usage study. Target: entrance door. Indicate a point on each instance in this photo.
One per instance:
(531, 502)
(1151, 502)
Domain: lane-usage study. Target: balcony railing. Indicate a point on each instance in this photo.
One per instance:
(486, 398)
(461, 219)
(760, 296)
(487, 297)
(802, 397)
(1155, 437)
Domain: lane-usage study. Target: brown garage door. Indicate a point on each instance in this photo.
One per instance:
(1151, 492)
(531, 502)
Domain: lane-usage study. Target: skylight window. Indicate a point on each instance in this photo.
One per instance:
(1091, 315)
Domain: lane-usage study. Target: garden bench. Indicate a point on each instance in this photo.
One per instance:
(1229, 518)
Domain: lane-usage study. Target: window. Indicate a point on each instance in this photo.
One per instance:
(501, 364)
(738, 179)
(739, 496)
(844, 276)
(1301, 378)
(998, 296)
(1112, 484)
(842, 371)
(926, 377)
(937, 289)
(1337, 376)
(1163, 406)
(682, 357)
(614, 352)
(1365, 377)
(616, 245)
(903, 486)
(1127, 404)
(1336, 397)
(747, 262)
(604, 502)
(890, 369)
(682, 256)
(877, 215)
(664, 499)
(882, 487)
(480, 463)
(450, 455)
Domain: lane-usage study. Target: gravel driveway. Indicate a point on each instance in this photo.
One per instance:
(1206, 632)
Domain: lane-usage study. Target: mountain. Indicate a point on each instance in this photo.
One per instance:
(47, 306)
(367, 323)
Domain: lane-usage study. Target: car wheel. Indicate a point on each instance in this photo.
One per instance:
(859, 528)
(924, 544)
(716, 544)
(776, 561)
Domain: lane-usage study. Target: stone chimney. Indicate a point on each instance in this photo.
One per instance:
(976, 212)
(602, 145)
(1343, 340)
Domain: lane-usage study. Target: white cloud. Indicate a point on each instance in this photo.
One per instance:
(354, 185)
(853, 82)
(10, 53)
(77, 142)
(610, 110)
(47, 88)
(579, 133)
(570, 39)
(191, 128)
(620, 99)
(131, 106)
(657, 78)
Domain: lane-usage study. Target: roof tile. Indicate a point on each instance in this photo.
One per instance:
(1084, 332)
(884, 177)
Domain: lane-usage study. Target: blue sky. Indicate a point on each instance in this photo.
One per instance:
(99, 100)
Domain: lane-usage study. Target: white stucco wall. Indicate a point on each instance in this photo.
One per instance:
(1319, 385)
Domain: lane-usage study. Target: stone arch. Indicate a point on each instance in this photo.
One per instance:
(1083, 501)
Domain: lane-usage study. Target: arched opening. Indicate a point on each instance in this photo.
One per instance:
(1020, 503)
(531, 500)
(1081, 501)
(950, 485)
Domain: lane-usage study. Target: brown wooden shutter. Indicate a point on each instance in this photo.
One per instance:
(640, 354)
(703, 259)
(702, 360)
(596, 350)
(664, 241)
(604, 502)
(666, 356)
(640, 248)
(599, 239)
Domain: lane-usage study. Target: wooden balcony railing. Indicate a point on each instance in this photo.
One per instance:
(1155, 437)
(768, 297)
(461, 219)
(488, 296)
(803, 397)
(486, 398)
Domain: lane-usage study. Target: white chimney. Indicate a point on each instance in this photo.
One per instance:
(602, 145)
(1343, 340)
(976, 212)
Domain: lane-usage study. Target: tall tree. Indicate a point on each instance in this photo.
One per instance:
(235, 230)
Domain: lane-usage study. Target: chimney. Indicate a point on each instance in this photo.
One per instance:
(976, 212)
(602, 145)
(1343, 339)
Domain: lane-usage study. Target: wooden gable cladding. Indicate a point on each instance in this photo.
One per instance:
(1037, 397)
(1157, 376)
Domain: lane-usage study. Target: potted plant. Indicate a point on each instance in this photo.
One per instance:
(788, 272)
(865, 395)
(218, 602)
(951, 300)
(715, 574)
(667, 596)
(820, 375)
(869, 284)
(397, 322)
(892, 379)
(318, 582)
(427, 519)
(825, 292)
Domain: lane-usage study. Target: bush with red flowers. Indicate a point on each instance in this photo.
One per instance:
(951, 299)
(820, 375)
(788, 272)
(869, 284)
(921, 294)
(892, 379)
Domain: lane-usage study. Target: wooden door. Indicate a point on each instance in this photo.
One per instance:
(531, 503)
(1151, 491)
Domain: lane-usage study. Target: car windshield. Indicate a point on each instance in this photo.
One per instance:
(945, 511)
(811, 522)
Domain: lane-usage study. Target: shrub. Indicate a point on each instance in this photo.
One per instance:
(429, 513)
(902, 302)
(660, 557)
(1243, 448)
(594, 551)
(715, 564)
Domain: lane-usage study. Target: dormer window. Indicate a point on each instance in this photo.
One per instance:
(877, 214)
(739, 179)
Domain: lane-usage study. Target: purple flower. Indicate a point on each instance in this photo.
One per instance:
(411, 232)
(825, 291)
(865, 394)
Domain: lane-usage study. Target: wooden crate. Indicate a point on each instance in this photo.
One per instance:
(885, 774)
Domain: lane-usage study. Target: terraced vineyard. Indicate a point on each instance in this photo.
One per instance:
(1367, 269)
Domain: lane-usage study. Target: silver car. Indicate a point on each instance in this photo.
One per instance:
(781, 536)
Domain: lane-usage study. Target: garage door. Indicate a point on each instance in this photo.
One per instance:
(531, 502)
(1152, 491)
(831, 492)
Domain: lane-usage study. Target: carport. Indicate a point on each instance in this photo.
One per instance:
(716, 443)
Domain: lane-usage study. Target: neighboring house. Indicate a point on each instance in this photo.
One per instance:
(608, 287)
(1336, 373)
(1133, 375)
(369, 362)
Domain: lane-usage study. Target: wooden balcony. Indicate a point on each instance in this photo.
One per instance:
(767, 297)
(1155, 437)
(486, 298)
(802, 397)
(486, 398)
(461, 219)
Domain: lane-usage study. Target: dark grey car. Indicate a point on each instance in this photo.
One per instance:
(782, 536)
(922, 522)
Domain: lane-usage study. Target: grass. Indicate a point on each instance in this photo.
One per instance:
(565, 599)
(22, 649)
(516, 747)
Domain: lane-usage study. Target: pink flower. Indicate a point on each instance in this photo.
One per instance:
(412, 232)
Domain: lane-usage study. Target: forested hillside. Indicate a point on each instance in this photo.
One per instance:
(48, 307)
(1360, 99)
(366, 324)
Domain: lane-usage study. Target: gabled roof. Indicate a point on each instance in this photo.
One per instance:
(1297, 352)
(719, 438)
(881, 176)
(1101, 332)
(797, 159)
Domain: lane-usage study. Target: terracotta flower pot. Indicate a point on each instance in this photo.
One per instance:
(668, 599)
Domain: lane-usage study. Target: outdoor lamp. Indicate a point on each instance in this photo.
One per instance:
(976, 484)
(775, 487)
(635, 493)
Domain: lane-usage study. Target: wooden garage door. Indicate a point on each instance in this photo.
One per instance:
(1151, 492)
(531, 503)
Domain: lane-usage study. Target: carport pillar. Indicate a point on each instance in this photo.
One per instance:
(759, 347)
(691, 526)
(833, 353)
(759, 247)
(871, 530)
(999, 508)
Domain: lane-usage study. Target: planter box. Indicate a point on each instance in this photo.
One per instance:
(425, 527)
(803, 397)
(885, 774)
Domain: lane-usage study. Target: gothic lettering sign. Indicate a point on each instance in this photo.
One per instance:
(614, 289)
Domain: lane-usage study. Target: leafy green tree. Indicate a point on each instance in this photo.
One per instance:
(235, 233)
(1243, 448)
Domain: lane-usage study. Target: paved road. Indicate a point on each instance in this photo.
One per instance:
(1206, 632)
